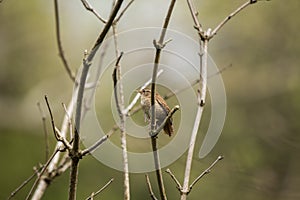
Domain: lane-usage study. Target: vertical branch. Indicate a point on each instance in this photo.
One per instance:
(158, 45)
(45, 130)
(120, 108)
(74, 154)
(59, 44)
(118, 89)
(201, 102)
(205, 36)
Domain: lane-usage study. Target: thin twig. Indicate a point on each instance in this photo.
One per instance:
(45, 131)
(178, 185)
(123, 11)
(207, 171)
(89, 7)
(56, 132)
(239, 9)
(150, 188)
(194, 14)
(41, 174)
(99, 142)
(53, 169)
(59, 43)
(13, 193)
(100, 190)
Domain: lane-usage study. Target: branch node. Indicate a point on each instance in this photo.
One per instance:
(158, 45)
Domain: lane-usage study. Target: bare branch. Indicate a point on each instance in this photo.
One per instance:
(239, 9)
(56, 132)
(75, 155)
(150, 188)
(123, 11)
(207, 171)
(89, 7)
(12, 194)
(45, 130)
(59, 43)
(178, 185)
(158, 45)
(201, 102)
(99, 142)
(197, 24)
(41, 174)
(120, 108)
(53, 169)
(101, 189)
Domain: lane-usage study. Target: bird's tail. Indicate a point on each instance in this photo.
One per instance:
(168, 128)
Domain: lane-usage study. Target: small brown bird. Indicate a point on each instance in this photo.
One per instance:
(161, 110)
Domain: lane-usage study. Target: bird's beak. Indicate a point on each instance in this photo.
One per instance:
(139, 91)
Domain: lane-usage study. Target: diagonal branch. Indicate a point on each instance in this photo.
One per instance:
(89, 7)
(150, 188)
(13, 193)
(56, 132)
(41, 173)
(100, 190)
(194, 14)
(207, 171)
(123, 11)
(178, 185)
(239, 9)
(99, 142)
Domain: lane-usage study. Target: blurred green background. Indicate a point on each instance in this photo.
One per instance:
(260, 140)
